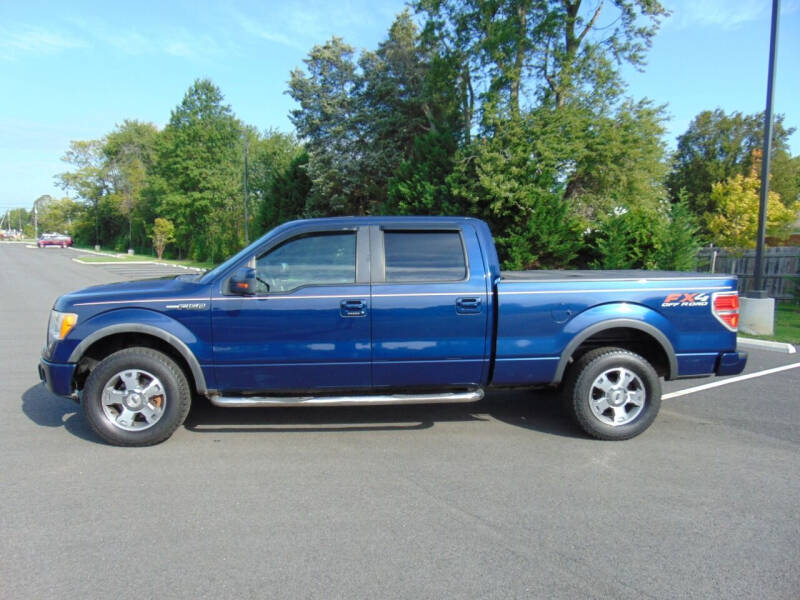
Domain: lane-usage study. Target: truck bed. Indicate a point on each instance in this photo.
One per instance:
(541, 312)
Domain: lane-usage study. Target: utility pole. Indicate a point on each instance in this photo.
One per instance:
(758, 272)
(35, 219)
(246, 232)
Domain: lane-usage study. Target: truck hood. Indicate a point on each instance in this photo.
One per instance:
(182, 287)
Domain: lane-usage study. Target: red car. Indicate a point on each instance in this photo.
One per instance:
(54, 239)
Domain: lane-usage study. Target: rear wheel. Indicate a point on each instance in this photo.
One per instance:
(136, 397)
(612, 393)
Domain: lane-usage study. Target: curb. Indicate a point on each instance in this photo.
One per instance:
(767, 345)
(110, 255)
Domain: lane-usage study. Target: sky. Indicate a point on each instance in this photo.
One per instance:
(73, 70)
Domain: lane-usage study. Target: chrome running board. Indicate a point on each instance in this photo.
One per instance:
(258, 401)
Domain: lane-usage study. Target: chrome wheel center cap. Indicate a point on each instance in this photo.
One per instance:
(135, 401)
(617, 398)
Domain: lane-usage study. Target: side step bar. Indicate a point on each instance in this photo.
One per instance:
(258, 401)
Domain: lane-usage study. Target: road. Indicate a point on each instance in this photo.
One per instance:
(500, 499)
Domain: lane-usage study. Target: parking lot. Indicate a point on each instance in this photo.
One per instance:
(504, 498)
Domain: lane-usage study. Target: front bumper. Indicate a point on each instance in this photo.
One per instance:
(57, 376)
(731, 363)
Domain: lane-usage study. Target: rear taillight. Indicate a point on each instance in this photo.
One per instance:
(725, 306)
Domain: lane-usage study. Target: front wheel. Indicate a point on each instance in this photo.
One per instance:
(612, 393)
(136, 397)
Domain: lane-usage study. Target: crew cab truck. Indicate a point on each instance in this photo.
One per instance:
(384, 310)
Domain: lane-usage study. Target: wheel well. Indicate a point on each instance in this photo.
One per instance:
(118, 341)
(635, 340)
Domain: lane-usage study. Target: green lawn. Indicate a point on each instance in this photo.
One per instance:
(787, 324)
(112, 257)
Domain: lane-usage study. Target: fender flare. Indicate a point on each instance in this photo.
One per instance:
(172, 340)
(585, 334)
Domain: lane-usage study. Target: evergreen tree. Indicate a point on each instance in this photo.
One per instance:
(328, 122)
(681, 242)
(288, 194)
(631, 239)
(270, 157)
(419, 186)
(501, 179)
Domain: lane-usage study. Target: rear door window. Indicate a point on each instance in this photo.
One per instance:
(424, 256)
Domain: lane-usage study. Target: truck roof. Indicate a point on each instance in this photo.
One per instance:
(378, 220)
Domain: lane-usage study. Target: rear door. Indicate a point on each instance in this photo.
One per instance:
(429, 307)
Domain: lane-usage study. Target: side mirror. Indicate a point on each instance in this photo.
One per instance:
(242, 282)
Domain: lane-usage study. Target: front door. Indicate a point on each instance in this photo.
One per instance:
(307, 327)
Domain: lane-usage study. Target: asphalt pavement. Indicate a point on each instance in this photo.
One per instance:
(502, 499)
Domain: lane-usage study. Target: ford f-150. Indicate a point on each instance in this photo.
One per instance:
(384, 310)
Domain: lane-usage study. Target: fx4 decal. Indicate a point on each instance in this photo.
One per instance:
(686, 299)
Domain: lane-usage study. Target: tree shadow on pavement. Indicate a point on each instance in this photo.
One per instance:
(48, 410)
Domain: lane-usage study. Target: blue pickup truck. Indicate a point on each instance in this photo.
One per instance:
(384, 310)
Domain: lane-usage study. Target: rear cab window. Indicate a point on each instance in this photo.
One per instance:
(424, 256)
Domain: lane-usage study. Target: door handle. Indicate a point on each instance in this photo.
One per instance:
(468, 306)
(353, 308)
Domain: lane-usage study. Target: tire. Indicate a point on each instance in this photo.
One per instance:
(136, 397)
(612, 394)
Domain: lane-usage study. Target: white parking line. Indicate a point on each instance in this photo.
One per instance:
(707, 386)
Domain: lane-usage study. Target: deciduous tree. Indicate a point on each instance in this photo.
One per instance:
(197, 175)
(733, 220)
(163, 234)
(129, 153)
(717, 146)
(90, 178)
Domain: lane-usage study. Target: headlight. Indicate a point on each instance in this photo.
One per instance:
(60, 325)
